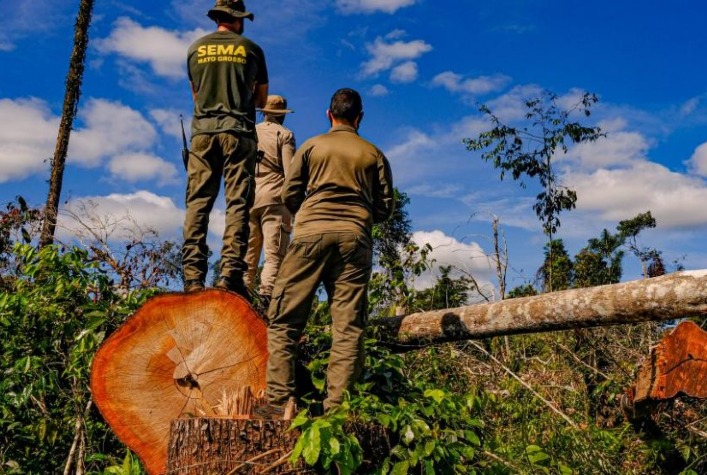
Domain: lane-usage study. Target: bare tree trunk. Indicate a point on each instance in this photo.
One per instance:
(500, 266)
(668, 297)
(71, 100)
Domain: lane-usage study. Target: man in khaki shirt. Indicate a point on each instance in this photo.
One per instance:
(270, 220)
(339, 185)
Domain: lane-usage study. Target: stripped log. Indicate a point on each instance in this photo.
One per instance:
(668, 297)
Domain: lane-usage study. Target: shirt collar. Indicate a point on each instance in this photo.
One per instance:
(343, 128)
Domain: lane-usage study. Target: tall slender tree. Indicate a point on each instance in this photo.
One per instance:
(528, 151)
(71, 100)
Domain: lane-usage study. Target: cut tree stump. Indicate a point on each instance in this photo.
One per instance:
(177, 356)
(677, 365)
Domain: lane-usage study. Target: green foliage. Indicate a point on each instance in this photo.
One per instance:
(557, 269)
(325, 442)
(53, 316)
(130, 466)
(427, 429)
(446, 293)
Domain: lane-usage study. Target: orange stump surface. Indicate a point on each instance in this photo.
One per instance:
(677, 365)
(175, 357)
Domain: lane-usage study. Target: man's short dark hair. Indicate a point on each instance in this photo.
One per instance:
(346, 104)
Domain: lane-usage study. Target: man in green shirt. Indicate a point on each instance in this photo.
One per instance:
(229, 79)
(338, 185)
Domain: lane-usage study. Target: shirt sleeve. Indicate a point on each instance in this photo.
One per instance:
(293, 191)
(262, 75)
(287, 151)
(384, 194)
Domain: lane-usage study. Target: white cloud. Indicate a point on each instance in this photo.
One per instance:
(407, 150)
(370, 6)
(120, 214)
(134, 167)
(511, 105)
(27, 138)
(438, 190)
(454, 82)
(689, 106)
(675, 200)
(110, 128)
(386, 52)
(467, 259)
(698, 161)
(379, 90)
(163, 50)
(405, 72)
(616, 149)
(168, 120)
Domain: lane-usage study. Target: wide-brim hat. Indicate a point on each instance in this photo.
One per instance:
(276, 105)
(235, 8)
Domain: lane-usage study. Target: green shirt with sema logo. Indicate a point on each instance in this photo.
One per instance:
(224, 68)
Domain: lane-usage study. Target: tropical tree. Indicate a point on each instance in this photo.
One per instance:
(71, 99)
(629, 230)
(447, 292)
(600, 262)
(529, 150)
(558, 265)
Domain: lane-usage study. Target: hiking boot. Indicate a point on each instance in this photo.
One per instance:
(234, 285)
(193, 286)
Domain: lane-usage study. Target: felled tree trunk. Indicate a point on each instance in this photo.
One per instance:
(668, 297)
(183, 355)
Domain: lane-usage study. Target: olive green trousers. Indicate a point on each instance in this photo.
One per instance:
(342, 261)
(213, 157)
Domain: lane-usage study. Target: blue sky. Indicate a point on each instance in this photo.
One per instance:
(422, 68)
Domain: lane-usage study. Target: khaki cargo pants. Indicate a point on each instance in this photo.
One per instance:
(342, 261)
(212, 157)
(270, 228)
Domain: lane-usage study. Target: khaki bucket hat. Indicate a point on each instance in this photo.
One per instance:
(235, 8)
(275, 105)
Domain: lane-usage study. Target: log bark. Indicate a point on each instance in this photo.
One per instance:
(205, 446)
(668, 297)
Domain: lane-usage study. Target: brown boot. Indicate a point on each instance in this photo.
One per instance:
(234, 285)
(193, 286)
